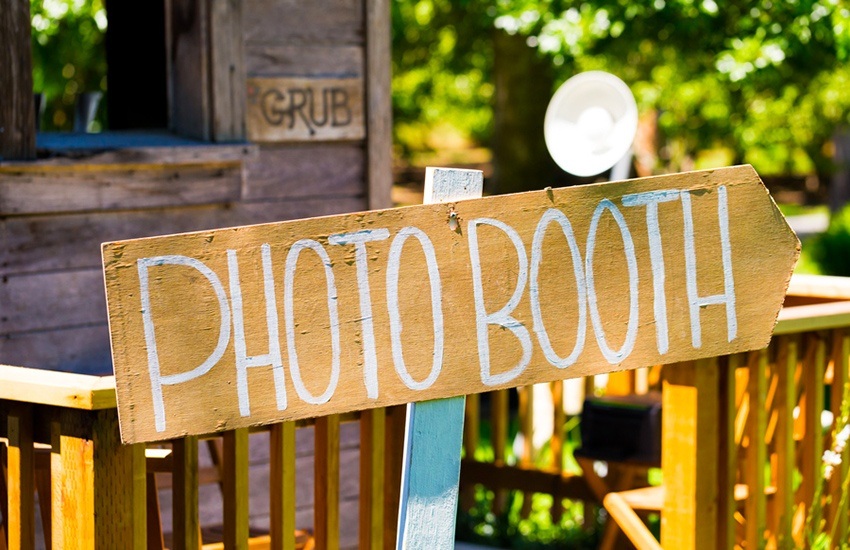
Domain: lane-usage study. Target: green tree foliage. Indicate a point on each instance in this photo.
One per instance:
(68, 53)
(765, 81)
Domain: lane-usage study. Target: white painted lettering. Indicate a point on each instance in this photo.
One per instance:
(612, 356)
(157, 380)
(553, 215)
(289, 317)
(695, 301)
(273, 358)
(393, 265)
(502, 317)
(370, 354)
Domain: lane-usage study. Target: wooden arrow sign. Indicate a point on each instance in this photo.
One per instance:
(251, 325)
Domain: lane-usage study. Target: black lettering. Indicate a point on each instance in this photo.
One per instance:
(324, 102)
(297, 102)
(339, 106)
(272, 115)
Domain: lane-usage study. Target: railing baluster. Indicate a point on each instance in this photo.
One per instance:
(786, 366)
(187, 523)
(72, 477)
(499, 436)
(235, 489)
(282, 486)
(327, 483)
(840, 376)
(813, 374)
(21, 487)
(728, 449)
(471, 430)
(754, 509)
(557, 442)
(526, 423)
(372, 456)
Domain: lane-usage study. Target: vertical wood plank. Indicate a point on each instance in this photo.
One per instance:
(471, 430)
(282, 486)
(557, 442)
(754, 509)
(378, 103)
(326, 505)
(72, 478)
(840, 377)
(189, 78)
(786, 365)
(156, 540)
(434, 430)
(227, 71)
(186, 518)
(395, 445)
(17, 109)
(728, 450)
(689, 455)
(372, 453)
(120, 506)
(813, 373)
(526, 422)
(21, 487)
(499, 437)
(235, 488)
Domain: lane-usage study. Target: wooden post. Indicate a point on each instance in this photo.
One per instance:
(227, 71)
(378, 104)
(434, 432)
(689, 455)
(120, 508)
(326, 507)
(185, 508)
(282, 486)
(372, 457)
(20, 488)
(17, 108)
(235, 489)
(72, 474)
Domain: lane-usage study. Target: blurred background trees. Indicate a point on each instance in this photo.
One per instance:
(764, 82)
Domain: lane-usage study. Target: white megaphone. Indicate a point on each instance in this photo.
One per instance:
(591, 124)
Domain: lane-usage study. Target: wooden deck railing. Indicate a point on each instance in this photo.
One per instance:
(67, 476)
(743, 438)
(741, 427)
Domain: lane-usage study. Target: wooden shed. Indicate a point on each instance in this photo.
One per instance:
(222, 113)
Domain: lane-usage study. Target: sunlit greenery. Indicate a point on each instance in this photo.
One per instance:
(69, 57)
(764, 81)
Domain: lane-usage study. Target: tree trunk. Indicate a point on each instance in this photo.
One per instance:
(523, 86)
(17, 105)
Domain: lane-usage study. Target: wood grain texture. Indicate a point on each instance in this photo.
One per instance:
(29, 192)
(297, 109)
(227, 71)
(20, 486)
(430, 475)
(82, 350)
(271, 60)
(379, 122)
(302, 171)
(235, 489)
(189, 62)
(33, 244)
(186, 522)
(786, 401)
(486, 274)
(282, 486)
(61, 389)
(73, 483)
(51, 300)
(372, 464)
(755, 508)
(327, 483)
(120, 506)
(689, 455)
(336, 22)
(17, 110)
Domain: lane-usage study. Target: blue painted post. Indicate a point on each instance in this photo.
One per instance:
(434, 431)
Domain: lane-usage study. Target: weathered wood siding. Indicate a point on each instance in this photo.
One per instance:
(55, 213)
